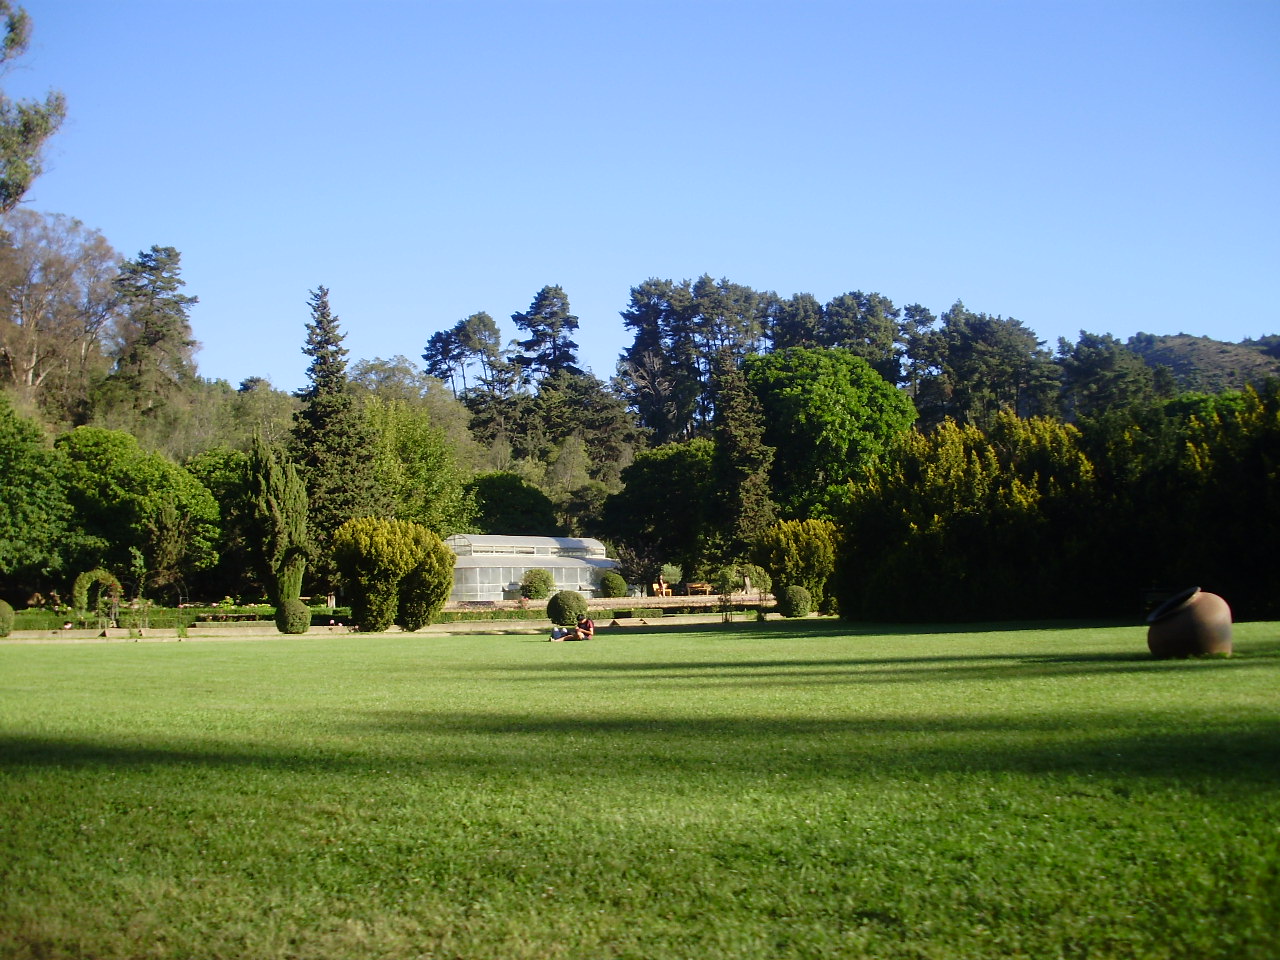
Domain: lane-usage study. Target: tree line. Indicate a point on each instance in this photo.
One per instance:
(887, 461)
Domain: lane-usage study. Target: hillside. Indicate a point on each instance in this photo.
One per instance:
(1210, 366)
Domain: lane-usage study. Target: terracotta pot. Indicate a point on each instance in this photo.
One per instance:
(1189, 624)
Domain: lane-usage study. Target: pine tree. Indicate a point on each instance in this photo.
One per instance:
(332, 444)
(157, 353)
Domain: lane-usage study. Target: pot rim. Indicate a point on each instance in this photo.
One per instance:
(1172, 604)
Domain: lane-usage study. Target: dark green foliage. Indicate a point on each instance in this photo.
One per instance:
(742, 507)
(664, 508)
(549, 347)
(508, 505)
(6, 618)
(795, 601)
(537, 584)
(975, 366)
(1100, 374)
(157, 360)
(566, 607)
(426, 587)
(332, 443)
(277, 522)
(293, 616)
(612, 585)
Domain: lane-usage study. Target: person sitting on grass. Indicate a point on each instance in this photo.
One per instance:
(585, 630)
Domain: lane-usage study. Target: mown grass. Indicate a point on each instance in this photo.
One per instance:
(752, 791)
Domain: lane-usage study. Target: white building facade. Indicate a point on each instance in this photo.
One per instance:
(489, 567)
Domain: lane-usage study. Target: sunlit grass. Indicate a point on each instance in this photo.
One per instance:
(756, 791)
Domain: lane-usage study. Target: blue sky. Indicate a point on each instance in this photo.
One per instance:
(1102, 166)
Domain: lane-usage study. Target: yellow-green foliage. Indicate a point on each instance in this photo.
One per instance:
(953, 515)
(799, 553)
(375, 556)
(6, 618)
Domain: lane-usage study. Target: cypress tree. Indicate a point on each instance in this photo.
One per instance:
(279, 522)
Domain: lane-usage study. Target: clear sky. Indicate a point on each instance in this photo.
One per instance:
(1107, 166)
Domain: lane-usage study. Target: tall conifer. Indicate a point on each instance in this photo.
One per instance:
(332, 444)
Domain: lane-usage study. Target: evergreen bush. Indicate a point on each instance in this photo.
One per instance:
(6, 619)
(566, 607)
(375, 555)
(425, 589)
(537, 584)
(293, 616)
(795, 601)
(612, 585)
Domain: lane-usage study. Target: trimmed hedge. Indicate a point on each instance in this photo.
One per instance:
(293, 616)
(6, 618)
(613, 585)
(566, 607)
(795, 601)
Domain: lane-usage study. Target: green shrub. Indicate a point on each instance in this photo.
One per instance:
(612, 585)
(537, 584)
(6, 619)
(425, 589)
(672, 573)
(795, 601)
(566, 607)
(374, 555)
(293, 616)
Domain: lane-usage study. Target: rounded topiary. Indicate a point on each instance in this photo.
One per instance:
(612, 585)
(566, 607)
(6, 619)
(795, 601)
(537, 584)
(293, 616)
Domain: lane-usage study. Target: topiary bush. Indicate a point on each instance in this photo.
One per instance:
(537, 584)
(795, 601)
(566, 607)
(612, 585)
(293, 616)
(6, 619)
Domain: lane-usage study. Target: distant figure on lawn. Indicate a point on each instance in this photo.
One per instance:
(585, 630)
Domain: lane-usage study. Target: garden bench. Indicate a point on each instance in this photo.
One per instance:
(693, 589)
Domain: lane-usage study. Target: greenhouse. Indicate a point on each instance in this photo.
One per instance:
(491, 567)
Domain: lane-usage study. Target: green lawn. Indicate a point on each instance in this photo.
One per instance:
(761, 791)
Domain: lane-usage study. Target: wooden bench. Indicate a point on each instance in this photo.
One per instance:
(696, 589)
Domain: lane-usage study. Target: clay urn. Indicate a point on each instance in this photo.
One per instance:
(1190, 624)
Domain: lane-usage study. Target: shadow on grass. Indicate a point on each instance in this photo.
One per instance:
(833, 627)
(880, 669)
(1242, 751)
